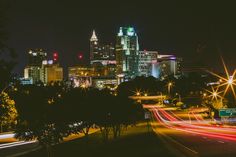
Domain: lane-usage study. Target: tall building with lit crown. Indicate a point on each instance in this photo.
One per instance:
(95, 54)
(127, 52)
(100, 52)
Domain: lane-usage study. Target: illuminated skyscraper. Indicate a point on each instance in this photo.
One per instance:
(94, 48)
(127, 52)
(100, 52)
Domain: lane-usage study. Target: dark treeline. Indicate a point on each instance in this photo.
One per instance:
(50, 113)
(184, 85)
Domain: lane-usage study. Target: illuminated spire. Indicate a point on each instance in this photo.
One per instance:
(94, 37)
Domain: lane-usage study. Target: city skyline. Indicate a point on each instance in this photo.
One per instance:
(169, 27)
(117, 78)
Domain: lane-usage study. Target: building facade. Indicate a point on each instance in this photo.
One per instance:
(81, 76)
(39, 69)
(51, 73)
(33, 73)
(148, 63)
(127, 52)
(33, 69)
(168, 65)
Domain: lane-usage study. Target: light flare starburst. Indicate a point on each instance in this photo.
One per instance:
(229, 82)
(214, 94)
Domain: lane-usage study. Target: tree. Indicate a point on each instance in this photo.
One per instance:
(36, 118)
(124, 112)
(114, 112)
(8, 112)
(142, 84)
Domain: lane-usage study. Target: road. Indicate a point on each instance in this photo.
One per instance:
(14, 149)
(188, 134)
(11, 147)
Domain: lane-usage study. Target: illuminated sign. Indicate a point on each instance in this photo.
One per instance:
(229, 112)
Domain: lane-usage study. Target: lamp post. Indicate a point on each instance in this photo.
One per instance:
(169, 87)
(138, 93)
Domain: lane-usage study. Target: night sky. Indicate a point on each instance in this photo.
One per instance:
(194, 30)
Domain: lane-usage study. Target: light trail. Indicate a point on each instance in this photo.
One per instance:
(197, 125)
(13, 144)
(174, 122)
(5, 136)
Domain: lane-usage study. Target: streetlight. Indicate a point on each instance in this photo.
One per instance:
(138, 93)
(169, 86)
(214, 94)
(230, 80)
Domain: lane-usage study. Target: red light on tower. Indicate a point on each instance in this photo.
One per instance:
(55, 56)
(80, 56)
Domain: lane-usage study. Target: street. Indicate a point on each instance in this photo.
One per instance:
(193, 136)
(13, 149)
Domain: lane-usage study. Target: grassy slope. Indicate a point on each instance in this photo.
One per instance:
(137, 141)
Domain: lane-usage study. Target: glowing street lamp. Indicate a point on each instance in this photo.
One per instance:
(169, 86)
(137, 92)
(230, 81)
(214, 94)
